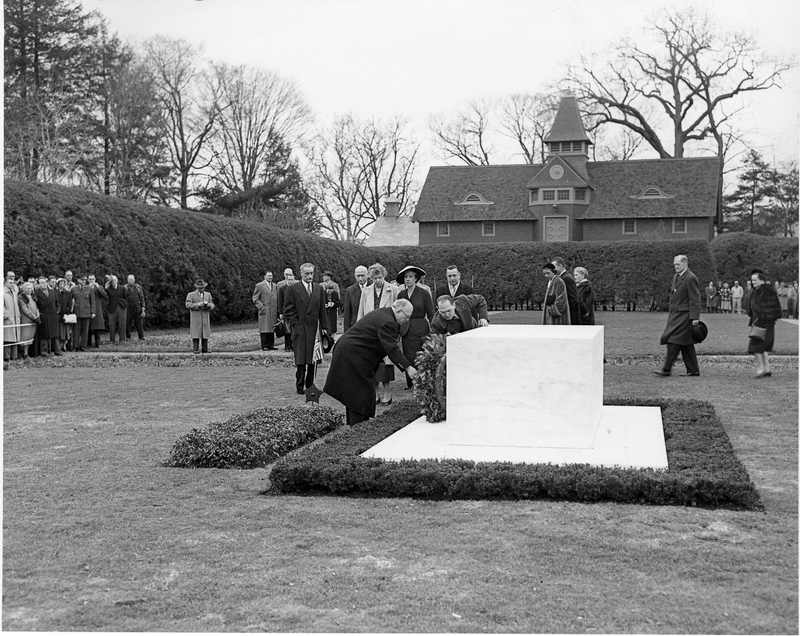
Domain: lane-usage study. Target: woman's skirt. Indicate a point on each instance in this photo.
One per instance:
(765, 345)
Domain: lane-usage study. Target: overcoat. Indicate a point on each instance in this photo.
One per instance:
(356, 356)
(304, 315)
(444, 290)
(83, 306)
(98, 322)
(764, 310)
(199, 316)
(265, 298)
(572, 298)
(367, 303)
(556, 296)
(332, 312)
(586, 297)
(350, 302)
(10, 313)
(684, 307)
(415, 330)
(117, 298)
(49, 306)
(470, 308)
(64, 307)
(28, 317)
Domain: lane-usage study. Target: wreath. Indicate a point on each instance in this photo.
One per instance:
(430, 384)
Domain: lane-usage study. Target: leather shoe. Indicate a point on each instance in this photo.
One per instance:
(300, 392)
(692, 375)
(662, 373)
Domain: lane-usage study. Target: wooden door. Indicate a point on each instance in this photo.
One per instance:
(556, 229)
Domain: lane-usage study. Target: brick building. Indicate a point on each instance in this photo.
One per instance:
(569, 198)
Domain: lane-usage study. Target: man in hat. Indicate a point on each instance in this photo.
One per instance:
(288, 279)
(199, 303)
(684, 313)
(136, 308)
(84, 308)
(454, 286)
(352, 297)
(359, 352)
(304, 309)
(462, 313)
(265, 298)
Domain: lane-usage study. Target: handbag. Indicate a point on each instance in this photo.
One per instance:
(757, 333)
(71, 319)
(280, 329)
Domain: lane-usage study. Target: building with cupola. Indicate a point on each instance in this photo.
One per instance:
(569, 197)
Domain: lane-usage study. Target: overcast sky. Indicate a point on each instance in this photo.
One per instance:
(420, 57)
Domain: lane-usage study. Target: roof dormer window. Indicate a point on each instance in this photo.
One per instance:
(474, 198)
(653, 192)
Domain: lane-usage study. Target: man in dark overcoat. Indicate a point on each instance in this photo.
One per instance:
(283, 285)
(117, 308)
(462, 313)
(684, 313)
(352, 297)
(573, 299)
(454, 286)
(84, 308)
(357, 354)
(47, 301)
(304, 310)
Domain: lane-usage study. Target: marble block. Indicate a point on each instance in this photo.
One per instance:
(525, 386)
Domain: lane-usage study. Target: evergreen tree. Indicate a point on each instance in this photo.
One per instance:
(743, 207)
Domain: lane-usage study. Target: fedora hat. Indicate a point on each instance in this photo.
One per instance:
(327, 342)
(699, 332)
(328, 272)
(199, 283)
(409, 268)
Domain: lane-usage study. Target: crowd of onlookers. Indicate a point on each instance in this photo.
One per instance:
(47, 315)
(722, 298)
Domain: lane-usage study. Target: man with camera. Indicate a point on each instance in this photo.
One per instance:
(199, 303)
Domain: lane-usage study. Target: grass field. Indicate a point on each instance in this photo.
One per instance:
(97, 535)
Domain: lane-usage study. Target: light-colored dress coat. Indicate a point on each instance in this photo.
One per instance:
(556, 297)
(265, 298)
(199, 316)
(367, 302)
(28, 317)
(10, 313)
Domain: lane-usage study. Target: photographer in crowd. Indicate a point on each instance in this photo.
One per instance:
(199, 303)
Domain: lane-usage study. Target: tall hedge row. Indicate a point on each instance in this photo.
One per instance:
(739, 252)
(49, 229)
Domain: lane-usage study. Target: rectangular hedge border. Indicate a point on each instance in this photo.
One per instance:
(703, 469)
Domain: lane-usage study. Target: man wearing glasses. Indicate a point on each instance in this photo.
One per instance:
(351, 377)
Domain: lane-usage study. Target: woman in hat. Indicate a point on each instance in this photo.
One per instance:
(199, 303)
(764, 310)
(418, 326)
(332, 302)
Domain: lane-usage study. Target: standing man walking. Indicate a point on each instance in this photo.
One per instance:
(199, 303)
(288, 279)
(352, 297)
(136, 308)
(265, 298)
(304, 309)
(573, 300)
(684, 313)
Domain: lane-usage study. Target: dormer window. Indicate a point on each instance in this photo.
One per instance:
(474, 198)
(653, 192)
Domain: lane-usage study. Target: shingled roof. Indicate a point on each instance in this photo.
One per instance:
(567, 125)
(690, 183)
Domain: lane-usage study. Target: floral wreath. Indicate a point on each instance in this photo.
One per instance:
(430, 383)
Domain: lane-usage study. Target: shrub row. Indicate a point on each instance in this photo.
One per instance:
(253, 439)
(739, 252)
(703, 468)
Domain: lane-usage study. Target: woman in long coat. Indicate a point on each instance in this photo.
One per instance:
(585, 295)
(199, 303)
(47, 300)
(28, 319)
(764, 310)
(64, 308)
(265, 298)
(556, 306)
(419, 325)
(10, 317)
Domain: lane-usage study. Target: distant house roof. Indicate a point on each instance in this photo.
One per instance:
(567, 125)
(393, 230)
(690, 186)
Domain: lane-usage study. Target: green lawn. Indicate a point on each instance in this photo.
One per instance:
(98, 535)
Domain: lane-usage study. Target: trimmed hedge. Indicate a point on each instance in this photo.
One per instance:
(703, 468)
(253, 439)
(49, 229)
(739, 252)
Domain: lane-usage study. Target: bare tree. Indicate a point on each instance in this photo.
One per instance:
(188, 95)
(354, 165)
(688, 78)
(527, 119)
(465, 136)
(617, 145)
(259, 111)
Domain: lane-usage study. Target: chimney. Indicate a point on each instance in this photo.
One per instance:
(392, 207)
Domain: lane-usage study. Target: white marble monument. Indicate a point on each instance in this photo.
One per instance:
(531, 394)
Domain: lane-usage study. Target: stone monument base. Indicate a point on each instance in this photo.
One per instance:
(627, 437)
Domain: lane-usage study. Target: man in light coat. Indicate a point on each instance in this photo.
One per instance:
(684, 313)
(199, 303)
(304, 310)
(11, 316)
(265, 298)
